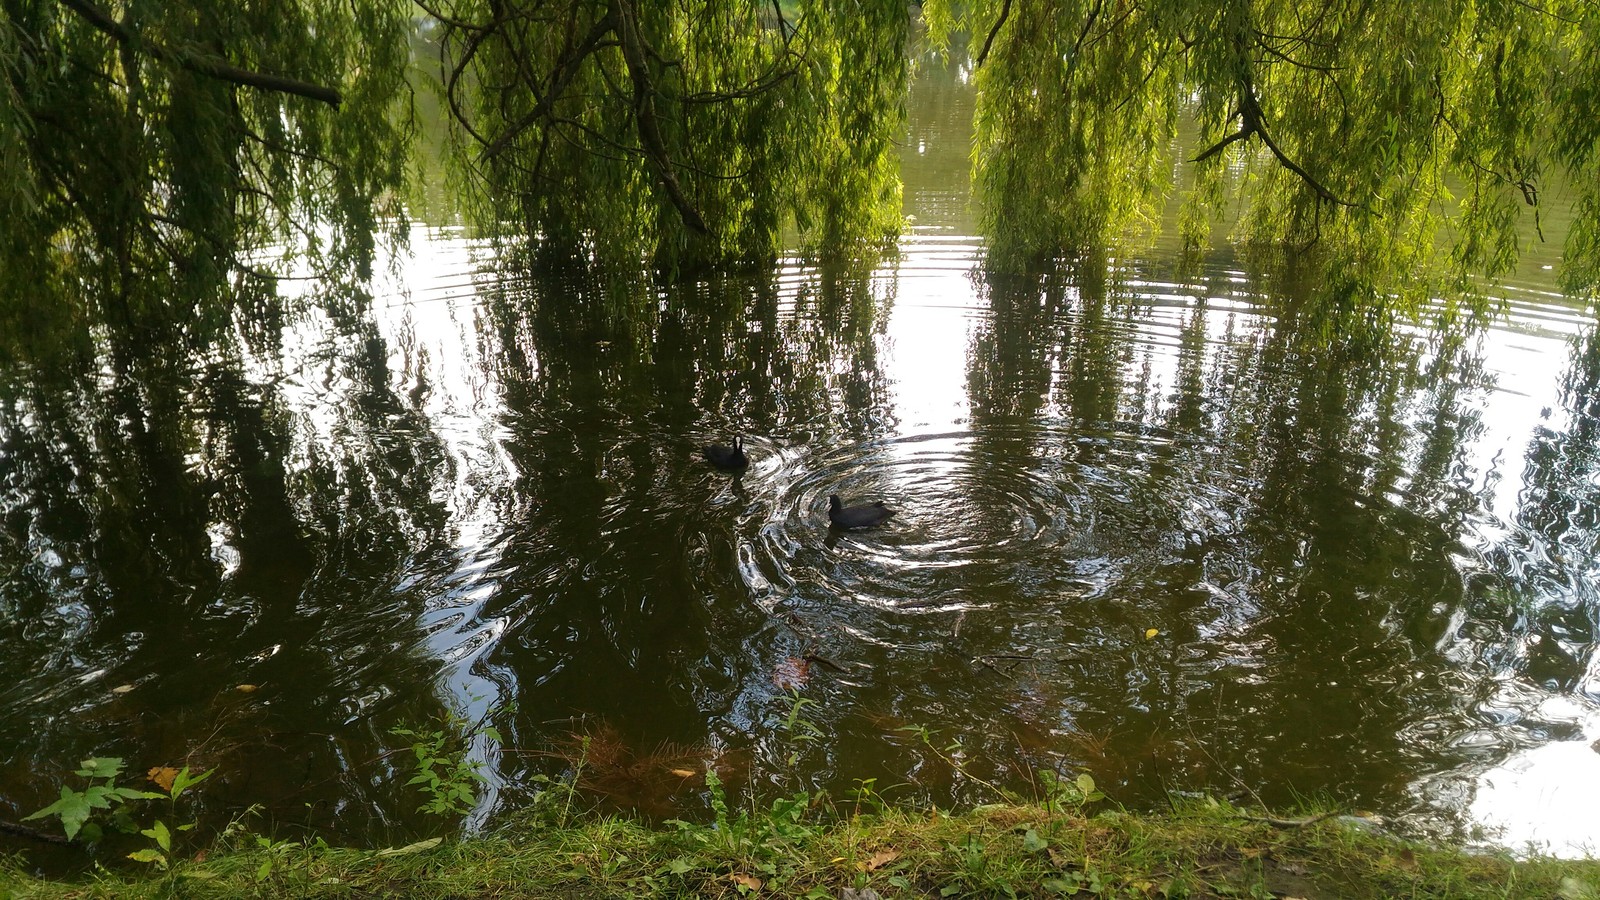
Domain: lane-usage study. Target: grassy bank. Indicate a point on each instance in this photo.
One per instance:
(797, 849)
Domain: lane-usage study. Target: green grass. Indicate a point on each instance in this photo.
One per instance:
(799, 848)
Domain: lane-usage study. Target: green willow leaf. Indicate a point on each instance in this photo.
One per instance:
(1399, 139)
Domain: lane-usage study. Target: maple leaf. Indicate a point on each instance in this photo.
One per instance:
(792, 673)
(162, 776)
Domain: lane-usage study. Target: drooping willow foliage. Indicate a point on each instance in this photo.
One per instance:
(691, 132)
(1409, 136)
(150, 148)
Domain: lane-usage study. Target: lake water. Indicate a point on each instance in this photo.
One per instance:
(1148, 527)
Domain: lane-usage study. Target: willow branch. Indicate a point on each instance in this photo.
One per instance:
(435, 12)
(1242, 134)
(644, 111)
(1252, 123)
(1005, 12)
(566, 70)
(209, 66)
(1088, 23)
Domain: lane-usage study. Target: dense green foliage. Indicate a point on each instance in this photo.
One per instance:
(1404, 135)
(695, 131)
(145, 144)
(149, 149)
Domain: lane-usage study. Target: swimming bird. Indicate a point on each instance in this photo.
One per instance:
(857, 516)
(724, 457)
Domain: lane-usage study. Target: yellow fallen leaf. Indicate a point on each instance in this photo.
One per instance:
(748, 882)
(162, 776)
(1151, 632)
(245, 688)
(684, 773)
(122, 689)
(879, 860)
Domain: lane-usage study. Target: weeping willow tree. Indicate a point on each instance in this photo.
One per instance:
(143, 143)
(150, 148)
(1410, 136)
(692, 133)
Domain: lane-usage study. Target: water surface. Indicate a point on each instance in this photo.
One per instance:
(1149, 525)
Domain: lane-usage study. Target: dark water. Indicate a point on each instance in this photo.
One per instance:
(1150, 526)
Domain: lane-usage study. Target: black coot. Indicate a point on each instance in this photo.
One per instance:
(857, 516)
(731, 459)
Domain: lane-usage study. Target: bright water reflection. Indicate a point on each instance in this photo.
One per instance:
(1149, 526)
(1366, 572)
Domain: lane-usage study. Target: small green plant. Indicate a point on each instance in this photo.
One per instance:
(553, 802)
(866, 797)
(1063, 796)
(761, 843)
(953, 754)
(797, 729)
(77, 809)
(278, 857)
(160, 854)
(444, 774)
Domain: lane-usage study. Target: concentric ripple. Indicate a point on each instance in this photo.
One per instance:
(1025, 520)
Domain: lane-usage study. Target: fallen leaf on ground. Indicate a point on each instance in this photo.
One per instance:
(122, 689)
(749, 882)
(245, 688)
(684, 773)
(879, 860)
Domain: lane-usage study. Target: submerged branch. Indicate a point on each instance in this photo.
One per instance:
(32, 833)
